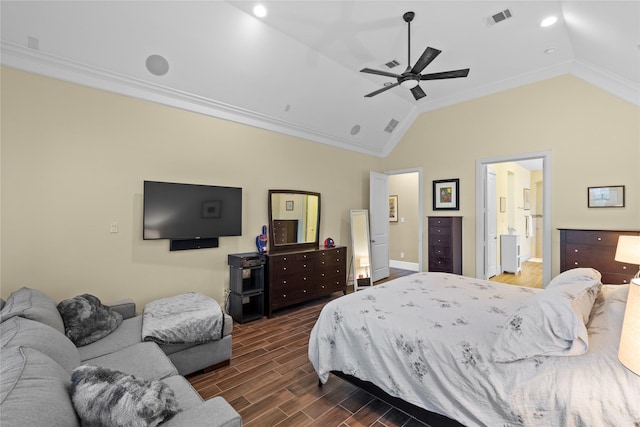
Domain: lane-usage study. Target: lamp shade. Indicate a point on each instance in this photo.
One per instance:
(628, 249)
(629, 350)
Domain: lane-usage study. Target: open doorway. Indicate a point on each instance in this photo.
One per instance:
(408, 211)
(513, 205)
(405, 231)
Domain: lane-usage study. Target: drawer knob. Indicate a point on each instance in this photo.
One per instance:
(575, 263)
(284, 295)
(304, 291)
(624, 267)
(322, 286)
(575, 250)
(304, 265)
(322, 274)
(284, 281)
(284, 258)
(624, 281)
(599, 238)
(284, 268)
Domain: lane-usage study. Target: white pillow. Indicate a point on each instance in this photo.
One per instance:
(584, 285)
(550, 323)
(575, 275)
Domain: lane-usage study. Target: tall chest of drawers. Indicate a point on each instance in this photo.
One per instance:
(445, 244)
(299, 276)
(595, 249)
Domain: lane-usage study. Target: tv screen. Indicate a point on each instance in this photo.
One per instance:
(190, 211)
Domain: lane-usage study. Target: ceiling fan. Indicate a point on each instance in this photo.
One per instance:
(411, 77)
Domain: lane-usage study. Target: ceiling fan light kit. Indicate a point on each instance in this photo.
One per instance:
(412, 76)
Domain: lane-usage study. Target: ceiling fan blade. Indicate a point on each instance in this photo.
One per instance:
(379, 72)
(454, 74)
(369, 95)
(418, 92)
(428, 55)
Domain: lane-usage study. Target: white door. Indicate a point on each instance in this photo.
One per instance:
(379, 222)
(491, 225)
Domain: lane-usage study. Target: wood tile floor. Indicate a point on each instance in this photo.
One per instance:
(271, 382)
(530, 275)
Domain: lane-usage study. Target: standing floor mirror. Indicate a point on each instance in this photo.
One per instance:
(360, 248)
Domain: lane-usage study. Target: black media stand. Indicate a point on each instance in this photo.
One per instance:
(246, 283)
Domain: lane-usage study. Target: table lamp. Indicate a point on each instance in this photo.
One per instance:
(628, 251)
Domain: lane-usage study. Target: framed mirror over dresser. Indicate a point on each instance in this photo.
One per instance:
(299, 269)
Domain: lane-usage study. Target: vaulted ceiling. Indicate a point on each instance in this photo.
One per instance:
(296, 70)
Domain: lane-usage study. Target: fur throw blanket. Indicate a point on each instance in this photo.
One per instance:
(87, 320)
(105, 397)
(180, 319)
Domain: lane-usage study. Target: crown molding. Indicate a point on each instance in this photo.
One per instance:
(37, 62)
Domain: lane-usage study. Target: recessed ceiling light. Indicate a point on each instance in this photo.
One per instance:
(548, 21)
(260, 11)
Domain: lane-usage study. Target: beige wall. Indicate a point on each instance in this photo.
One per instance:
(403, 235)
(594, 139)
(74, 160)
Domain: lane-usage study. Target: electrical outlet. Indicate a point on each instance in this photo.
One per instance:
(114, 227)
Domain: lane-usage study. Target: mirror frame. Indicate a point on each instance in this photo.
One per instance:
(360, 247)
(292, 246)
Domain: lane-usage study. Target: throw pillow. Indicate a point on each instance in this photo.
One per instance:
(86, 320)
(546, 324)
(106, 397)
(575, 275)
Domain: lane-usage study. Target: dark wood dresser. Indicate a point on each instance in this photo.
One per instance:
(445, 244)
(595, 249)
(301, 275)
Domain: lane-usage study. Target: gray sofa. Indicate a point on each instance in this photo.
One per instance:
(37, 360)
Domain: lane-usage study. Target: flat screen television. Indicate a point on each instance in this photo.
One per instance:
(190, 211)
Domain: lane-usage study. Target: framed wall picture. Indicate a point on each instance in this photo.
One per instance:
(526, 199)
(503, 204)
(446, 195)
(289, 205)
(393, 208)
(606, 197)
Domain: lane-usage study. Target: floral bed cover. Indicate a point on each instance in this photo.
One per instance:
(426, 338)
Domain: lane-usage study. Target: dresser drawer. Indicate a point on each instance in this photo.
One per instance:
(616, 279)
(440, 251)
(604, 238)
(296, 263)
(293, 296)
(444, 221)
(439, 264)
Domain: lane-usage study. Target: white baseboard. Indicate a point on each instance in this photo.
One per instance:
(403, 265)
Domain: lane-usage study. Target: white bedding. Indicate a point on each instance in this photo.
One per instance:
(427, 339)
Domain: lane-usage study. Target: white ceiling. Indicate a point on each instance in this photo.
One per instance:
(296, 71)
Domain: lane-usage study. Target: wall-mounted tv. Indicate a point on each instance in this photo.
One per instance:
(190, 211)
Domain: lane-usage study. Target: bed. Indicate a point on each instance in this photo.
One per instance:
(485, 353)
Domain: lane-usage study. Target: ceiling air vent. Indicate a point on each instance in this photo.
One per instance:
(392, 64)
(498, 17)
(391, 126)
